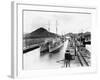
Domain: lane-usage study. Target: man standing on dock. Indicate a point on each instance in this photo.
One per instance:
(67, 58)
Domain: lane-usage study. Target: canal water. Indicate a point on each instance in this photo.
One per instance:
(33, 60)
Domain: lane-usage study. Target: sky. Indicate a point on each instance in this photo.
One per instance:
(65, 22)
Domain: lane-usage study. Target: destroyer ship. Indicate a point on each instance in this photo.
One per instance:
(56, 44)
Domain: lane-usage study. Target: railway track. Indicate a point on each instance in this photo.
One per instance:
(78, 56)
(82, 54)
(82, 59)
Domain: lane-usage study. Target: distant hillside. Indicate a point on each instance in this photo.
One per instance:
(40, 33)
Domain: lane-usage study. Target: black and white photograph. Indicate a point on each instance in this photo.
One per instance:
(56, 39)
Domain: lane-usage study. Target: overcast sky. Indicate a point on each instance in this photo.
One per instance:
(66, 22)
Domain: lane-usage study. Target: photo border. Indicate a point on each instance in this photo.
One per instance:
(15, 71)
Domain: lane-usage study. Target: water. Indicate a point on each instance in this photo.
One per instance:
(33, 60)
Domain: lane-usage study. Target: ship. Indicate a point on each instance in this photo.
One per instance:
(56, 44)
(44, 47)
(55, 47)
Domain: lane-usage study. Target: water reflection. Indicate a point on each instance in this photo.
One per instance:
(52, 58)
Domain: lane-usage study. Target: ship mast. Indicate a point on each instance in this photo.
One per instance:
(48, 26)
(56, 26)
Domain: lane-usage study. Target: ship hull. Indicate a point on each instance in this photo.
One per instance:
(45, 50)
(56, 49)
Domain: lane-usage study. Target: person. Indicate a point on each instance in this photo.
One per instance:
(67, 58)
